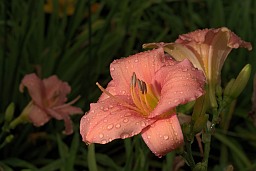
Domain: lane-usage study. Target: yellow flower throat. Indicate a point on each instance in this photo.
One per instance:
(143, 95)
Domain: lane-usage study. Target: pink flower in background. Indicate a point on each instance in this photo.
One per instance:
(49, 101)
(141, 98)
(207, 49)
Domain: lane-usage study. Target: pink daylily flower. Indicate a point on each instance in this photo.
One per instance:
(141, 98)
(48, 101)
(207, 49)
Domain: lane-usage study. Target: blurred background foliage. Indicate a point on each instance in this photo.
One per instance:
(77, 40)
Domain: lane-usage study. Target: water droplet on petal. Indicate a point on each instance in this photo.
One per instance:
(136, 60)
(143, 123)
(105, 109)
(166, 137)
(124, 135)
(127, 114)
(125, 120)
(149, 137)
(110, 126)
(112, 69)
(105, 120)
(185, 69)
(118, 126)
(104, 141)
(101, 135)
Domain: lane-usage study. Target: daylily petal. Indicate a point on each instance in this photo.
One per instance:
(56, 90)
(144, 64)
(35, 88)
(70, 110)
(108, 120)
(163, 136)
(179, 84)
(211, 48)
(208, 35)
(37, 116)
(68, 124)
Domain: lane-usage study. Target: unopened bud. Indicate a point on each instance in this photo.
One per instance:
(9, 112)
(200, 123)
(228, 87)
(200, 167)
(218, 90)
(241, 81)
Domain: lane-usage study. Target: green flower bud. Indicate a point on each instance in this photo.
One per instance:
(240, 82)
(200, 167)
(9, 112)
(200, 123)
(218, 90)
(228, 87)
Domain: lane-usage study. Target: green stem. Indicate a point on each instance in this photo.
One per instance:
(188, 155)
(207, 147)
(91, 158)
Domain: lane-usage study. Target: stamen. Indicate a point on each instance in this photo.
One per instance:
(139, 84)
(133, 81)
(137, 100)
(116, 98)
(144, 87)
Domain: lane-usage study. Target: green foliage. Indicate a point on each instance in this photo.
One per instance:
(79, 49)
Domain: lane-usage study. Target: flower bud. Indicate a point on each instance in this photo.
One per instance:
(240, 82)
(228, 87)
(218, 90)
(9, 112)
(200, 167)
(200, 123)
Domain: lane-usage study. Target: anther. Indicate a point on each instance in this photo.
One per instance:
(133, 80)
(140, 85)
(144, 87)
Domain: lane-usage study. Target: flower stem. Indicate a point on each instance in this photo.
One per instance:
(189, 156)
(91, 158)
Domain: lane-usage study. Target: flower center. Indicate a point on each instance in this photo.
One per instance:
(143, 95)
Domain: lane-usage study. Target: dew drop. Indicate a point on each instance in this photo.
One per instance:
(128, 114)
(101, 135)
(136, 60)
(110, 126)
(125, 120)
(104, 141)
(124, 135)
(112, 69)
(143, 123)
(105, 109)
(176, 100)
(185, 69)
(118, 126)
(149, 137)
(166, 137)
(105, 120)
